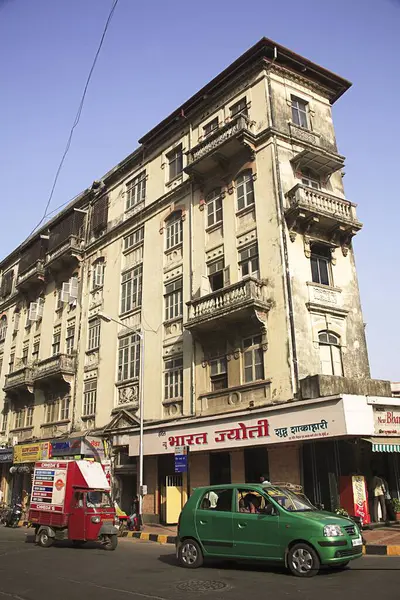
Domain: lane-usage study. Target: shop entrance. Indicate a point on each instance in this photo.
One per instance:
(256, 464)
(321, 469)
(220, 468)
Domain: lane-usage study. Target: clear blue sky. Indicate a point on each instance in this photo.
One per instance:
(155, 56)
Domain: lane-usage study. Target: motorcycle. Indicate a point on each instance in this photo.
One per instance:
(13, 517)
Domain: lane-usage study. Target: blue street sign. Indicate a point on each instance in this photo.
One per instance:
(181, 463)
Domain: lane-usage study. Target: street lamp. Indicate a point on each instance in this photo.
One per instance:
(108, 319)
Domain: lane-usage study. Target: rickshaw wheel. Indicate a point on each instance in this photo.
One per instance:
(110, 542)
(44, 540)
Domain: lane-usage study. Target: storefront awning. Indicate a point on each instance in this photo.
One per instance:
(384, 444)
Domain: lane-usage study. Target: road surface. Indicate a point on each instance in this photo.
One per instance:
(140, 570)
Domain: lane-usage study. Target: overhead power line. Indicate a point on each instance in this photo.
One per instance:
(78, 114)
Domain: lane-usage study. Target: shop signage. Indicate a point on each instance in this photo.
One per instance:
(30, 453)
(6, 455)
(78, 447)
(387, 420)
(318, 422)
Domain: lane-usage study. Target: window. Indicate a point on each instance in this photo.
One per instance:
(173, 300)
(3, 328)
(50, 412)
(99, 216)
(4, 419)
(19, 418)
(239, 108)
(1, 362)
(56, 345)
(136, 190)
(94, 334)
(174, 229)
(89, 397)
(214, 207)
(25, 353)
(253, 357)
(131, 295)
(98, 274)
(210, 127)
(216, 274)
(321, 264)
(59, 302)
(248, 261)
(299, 112)
(175, 162)
(218, 374)
(220, 500)
(245, 190)
(310, 181)
(70, 337)
(64, 408)
(11, 362)
(134, 238)
(253, 502)
(29, 416)
(6, 286)
(173, 379)
(35, 349)
(129, 357)
(330, 353)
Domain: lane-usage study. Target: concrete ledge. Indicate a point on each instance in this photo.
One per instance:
(151, 537)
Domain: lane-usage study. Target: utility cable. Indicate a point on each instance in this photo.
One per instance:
(78, 115)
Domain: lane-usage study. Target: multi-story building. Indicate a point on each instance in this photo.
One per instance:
(226, 240)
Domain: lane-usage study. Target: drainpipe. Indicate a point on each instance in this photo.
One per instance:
(284, 246)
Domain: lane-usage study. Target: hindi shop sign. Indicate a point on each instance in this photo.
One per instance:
(319, 422)
(387, 420)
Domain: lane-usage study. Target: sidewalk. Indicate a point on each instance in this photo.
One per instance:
(163, 534)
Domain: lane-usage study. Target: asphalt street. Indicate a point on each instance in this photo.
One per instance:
(146, 570)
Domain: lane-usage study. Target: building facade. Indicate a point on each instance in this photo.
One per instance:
(226, 240)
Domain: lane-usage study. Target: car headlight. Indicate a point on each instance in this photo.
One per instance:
(333, 531)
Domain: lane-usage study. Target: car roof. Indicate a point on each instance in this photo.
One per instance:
(230, 486)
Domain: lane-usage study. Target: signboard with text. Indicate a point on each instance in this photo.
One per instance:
(272, 427)
(30, 453)
(387, 420)
(181, 459)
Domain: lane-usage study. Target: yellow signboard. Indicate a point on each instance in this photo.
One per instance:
(29, 453)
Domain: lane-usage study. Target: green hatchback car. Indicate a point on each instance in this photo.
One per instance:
(263, 523)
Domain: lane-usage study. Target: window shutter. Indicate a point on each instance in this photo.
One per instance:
(40, 307)
(100, 215)
(17, 317)
(205, 285)
(6, 284)
(326, 361)
(33, 311)
(65, 291)
(73, 288)
(227, 278)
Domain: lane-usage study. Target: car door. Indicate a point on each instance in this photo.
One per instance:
(256, 534)
(213, 522)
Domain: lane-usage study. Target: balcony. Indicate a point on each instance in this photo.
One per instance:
(308, 206)
(241, 397)
(65, 255)
(237, 302)
(32, 277)
(220, 146)
(320, 386)
(59, 368)
(20, 380)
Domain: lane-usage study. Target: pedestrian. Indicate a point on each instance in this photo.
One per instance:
(378, 493)
(264, 480)
(388, 502)
(134, 519)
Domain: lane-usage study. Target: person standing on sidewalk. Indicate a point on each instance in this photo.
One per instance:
(378, 492)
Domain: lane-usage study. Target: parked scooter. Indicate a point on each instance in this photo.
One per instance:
(13, 516)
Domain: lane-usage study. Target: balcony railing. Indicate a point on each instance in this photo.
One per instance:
(225, 142)
(61, 366)
(21, 378)
(32, 276)
(69, 251)
(255, 394)
(330, 211)
(237, 301)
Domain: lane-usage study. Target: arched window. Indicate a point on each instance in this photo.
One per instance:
(3, 328)
(174, 230)
(214, 207)
(244, 190)
(98, 274)
(330, 353)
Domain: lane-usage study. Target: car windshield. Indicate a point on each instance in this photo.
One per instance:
(97, 499)
(289, 500)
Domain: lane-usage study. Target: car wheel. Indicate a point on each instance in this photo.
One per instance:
(303, 561)
(44, 540)
(190, 555)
